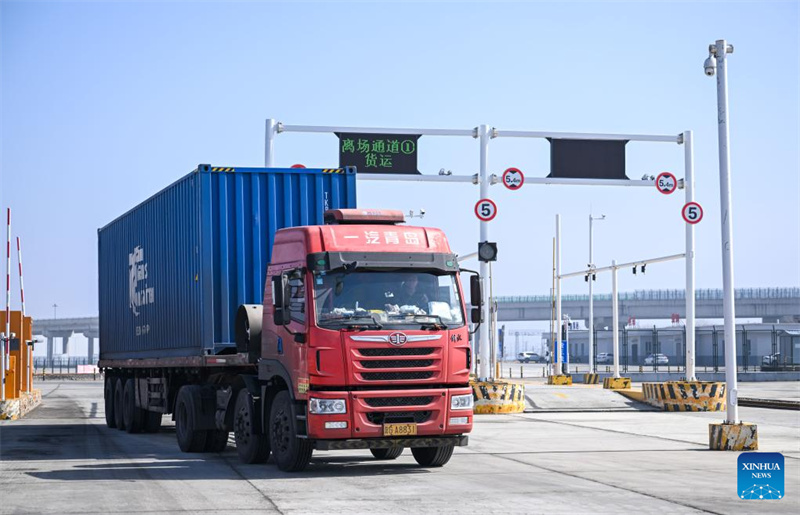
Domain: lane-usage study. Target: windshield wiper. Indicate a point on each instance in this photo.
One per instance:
(352, 320)
(434, 324)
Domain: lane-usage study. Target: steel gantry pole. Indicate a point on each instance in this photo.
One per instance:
(269, 143)
(591, 294)
(615, 316)
(557, 358)
(688, 187)
(721, 50)
(483, 335)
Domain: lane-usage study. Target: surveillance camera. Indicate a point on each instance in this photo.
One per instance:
(710, 66)
(422, 211)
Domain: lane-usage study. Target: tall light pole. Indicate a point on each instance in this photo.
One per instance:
(591, 296)
(716, 61)
(55, 307)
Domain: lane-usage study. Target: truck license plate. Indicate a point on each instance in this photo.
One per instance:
(399, 429)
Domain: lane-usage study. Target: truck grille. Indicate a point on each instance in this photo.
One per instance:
(382, 402)
(390, 417)
(389, 376)
(398, 363)
(397, 351)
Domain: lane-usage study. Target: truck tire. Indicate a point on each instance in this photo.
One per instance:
(108, 398)
(118, 419)
(152, 422)
(291, 453)
(130, 413)
(216, 440)
(432, 456)
(387, 454)
(190, 439)
(251, 447)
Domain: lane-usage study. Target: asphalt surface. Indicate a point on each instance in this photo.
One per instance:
(62, 459)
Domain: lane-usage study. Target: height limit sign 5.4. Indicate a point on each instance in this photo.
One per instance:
(513, 178)
(666, 183)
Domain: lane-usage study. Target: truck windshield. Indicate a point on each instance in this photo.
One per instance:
(379, 299)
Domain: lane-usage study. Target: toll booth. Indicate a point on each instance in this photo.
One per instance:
(19, 376)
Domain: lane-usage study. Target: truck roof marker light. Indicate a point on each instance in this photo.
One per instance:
(364, 216)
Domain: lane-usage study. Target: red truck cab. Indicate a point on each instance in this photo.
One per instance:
(364, 330)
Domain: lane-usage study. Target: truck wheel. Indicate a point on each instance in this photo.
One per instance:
(152, 422)
(432, 456)
(118, 419)
(190, 439)
(130, 413)
(292, 454)
(251, 447)
(216, 440)
(108, 398)
(387, 454)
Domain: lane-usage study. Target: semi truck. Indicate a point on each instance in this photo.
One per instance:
(261, 302)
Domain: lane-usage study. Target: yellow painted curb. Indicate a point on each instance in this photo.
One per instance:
(562, 380)
(617, 383)
(733, 437)
(685, 395)
(498, 397)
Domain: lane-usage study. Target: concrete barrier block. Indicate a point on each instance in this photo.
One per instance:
(561, 380)
(498, 397)
(617, 383)
(733, 437)
(685, 395)
(591, 378)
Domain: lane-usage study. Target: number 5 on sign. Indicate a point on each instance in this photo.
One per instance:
(485, 209)
(692, 212)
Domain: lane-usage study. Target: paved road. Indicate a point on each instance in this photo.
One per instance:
(62, 459)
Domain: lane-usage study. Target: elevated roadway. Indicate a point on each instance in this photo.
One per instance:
(770, 304)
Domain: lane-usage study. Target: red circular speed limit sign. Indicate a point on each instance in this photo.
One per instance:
(485, 209)
(513, 178)
(666, 183)
(692, 212)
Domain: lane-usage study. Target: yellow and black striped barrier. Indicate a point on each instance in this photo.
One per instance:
(333, 170)
(560, 380)
(685, 395)
(222, 169)
(591, 378)
(616, 383)
(733, 437)
(498, 397)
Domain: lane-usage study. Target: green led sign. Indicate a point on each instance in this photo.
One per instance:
(379, 153)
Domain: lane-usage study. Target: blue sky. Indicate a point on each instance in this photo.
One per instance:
(103, 104)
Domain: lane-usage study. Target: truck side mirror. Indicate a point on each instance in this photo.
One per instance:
(475, 297)
(475, 316)
(280, 299)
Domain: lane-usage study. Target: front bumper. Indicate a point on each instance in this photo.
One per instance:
(367, 411)
(387, 443)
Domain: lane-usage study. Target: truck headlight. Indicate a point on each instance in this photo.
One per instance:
(461, 401)
(327, 406)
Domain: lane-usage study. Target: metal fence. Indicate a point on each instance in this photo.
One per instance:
(756, 349)
(705, 294)
(60, 365)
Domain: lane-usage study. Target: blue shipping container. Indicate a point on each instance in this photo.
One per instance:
(174, 269)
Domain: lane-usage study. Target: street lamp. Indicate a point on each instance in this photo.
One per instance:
(591, 296)
(716, 64)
